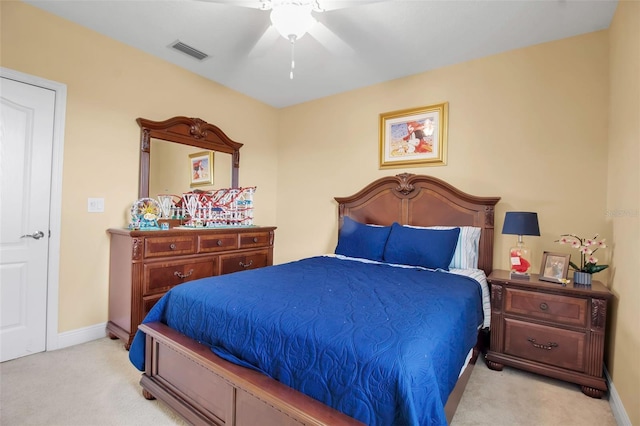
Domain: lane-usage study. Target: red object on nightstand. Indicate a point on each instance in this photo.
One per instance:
(522, 266)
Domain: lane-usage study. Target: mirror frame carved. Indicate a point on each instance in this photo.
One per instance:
(187, 131)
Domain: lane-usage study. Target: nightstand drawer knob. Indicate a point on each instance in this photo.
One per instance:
(172, 246)
(544, 306)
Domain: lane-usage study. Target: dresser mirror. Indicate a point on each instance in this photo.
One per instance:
(170, 171)
(165, 149)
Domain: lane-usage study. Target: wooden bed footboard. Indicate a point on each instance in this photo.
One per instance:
(204, 389)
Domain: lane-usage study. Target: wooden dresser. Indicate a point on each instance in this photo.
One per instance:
(144, 265)
(550, 329)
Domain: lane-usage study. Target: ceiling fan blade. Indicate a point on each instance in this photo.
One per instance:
(330, 40)
(327, 5)
(253, 4)
(265, 42)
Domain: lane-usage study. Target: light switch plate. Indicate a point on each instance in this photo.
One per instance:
(95, 205)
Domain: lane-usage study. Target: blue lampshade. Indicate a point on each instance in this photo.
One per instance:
(521, 223)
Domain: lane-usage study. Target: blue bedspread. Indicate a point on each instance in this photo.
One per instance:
(382, 344)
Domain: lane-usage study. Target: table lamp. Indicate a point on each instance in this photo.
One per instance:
(520, 223)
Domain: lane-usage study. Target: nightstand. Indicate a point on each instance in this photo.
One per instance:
(549, 329)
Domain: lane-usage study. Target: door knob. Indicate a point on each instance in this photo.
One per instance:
(35, 235)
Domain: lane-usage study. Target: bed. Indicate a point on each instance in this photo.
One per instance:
(330, 340)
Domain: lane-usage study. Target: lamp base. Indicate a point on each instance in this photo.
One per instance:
(520, 259)
(520, 276)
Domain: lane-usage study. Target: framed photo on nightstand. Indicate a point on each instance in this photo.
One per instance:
(555, 267)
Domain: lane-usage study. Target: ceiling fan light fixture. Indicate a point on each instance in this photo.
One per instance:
(292, 19)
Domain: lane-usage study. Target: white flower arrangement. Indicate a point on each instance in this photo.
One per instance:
(587, 247)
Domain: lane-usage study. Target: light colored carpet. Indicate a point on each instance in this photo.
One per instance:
(94, 384)
(513, 397)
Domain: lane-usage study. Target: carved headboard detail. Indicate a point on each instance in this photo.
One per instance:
(422, 200)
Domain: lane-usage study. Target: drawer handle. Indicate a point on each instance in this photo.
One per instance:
(255, 239)
(181, 275)
(246, 265)
(172, 246)
(544, 306)
(547, 347)
(219, 243)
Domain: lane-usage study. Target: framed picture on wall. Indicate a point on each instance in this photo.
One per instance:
(201, 168)
(554, 267)
(414, 137)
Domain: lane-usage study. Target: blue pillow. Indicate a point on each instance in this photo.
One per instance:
(429, 248)
(359, 240)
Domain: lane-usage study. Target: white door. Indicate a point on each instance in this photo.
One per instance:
(26, 142)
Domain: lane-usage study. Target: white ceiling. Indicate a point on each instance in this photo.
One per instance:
(354, 46)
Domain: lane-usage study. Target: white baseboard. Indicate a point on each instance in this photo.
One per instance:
(81, 335)
(622, 418)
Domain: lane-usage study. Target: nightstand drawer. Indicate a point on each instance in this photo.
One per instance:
(549, 345)
(551, 307)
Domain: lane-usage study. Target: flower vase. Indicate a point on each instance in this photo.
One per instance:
(583, 278)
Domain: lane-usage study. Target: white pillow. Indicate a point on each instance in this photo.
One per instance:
(466, 253)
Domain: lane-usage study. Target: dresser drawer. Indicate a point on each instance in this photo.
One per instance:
(549, 345)
(148, 302)
(161, 276)
(144, 265)
(255, 239)
(551, 307)
(218, 242)
(169, 246)
(243, 261)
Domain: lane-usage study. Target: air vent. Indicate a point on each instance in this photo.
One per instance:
(185, 48)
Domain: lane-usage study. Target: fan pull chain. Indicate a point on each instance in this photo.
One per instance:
(293, 62)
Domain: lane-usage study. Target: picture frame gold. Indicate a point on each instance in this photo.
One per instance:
(201, 168)
(554, 267)
(414, 137)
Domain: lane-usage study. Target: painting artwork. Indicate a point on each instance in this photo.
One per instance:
(201, 168)
(414, 137)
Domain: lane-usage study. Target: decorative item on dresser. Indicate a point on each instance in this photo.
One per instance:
(146, 264)
(550, 329)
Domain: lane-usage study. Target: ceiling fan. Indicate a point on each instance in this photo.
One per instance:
(292, 19)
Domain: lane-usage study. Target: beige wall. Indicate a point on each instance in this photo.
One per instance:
(109, 85)
(519, 123)
(623, 203)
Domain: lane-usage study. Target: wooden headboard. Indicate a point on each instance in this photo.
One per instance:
(422, 201)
